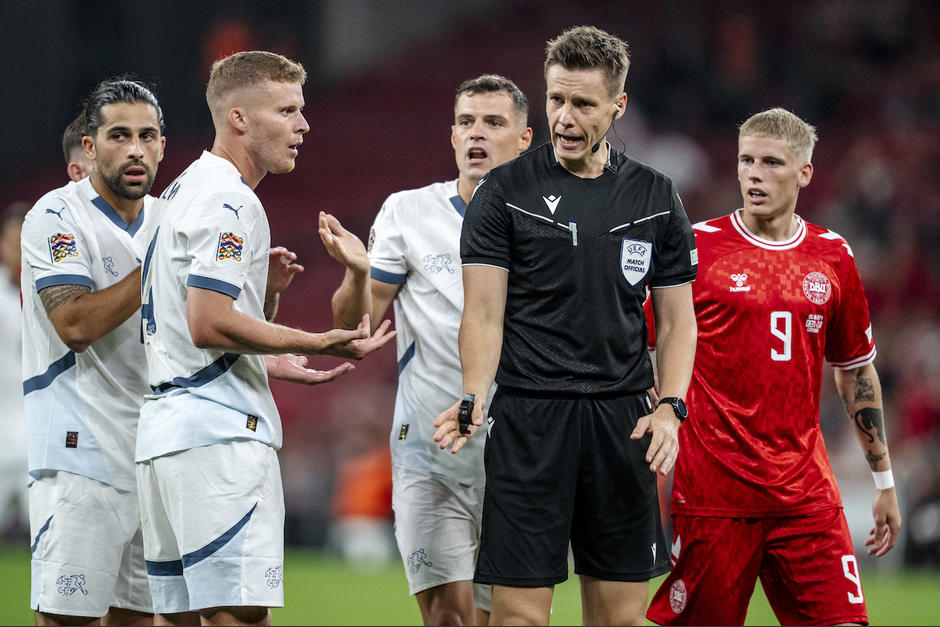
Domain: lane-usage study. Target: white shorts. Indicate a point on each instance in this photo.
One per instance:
(87, 549)
(437, 527)
(213, 522)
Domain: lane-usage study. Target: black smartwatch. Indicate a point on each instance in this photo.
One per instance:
(464, 412)
(678, 406)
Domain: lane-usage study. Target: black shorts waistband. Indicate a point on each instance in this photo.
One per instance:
(566, 395)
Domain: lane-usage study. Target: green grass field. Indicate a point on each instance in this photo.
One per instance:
(321, 590)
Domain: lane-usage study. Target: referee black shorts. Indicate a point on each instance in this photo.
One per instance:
(566, 468)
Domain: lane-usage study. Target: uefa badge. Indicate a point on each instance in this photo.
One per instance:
(817, 288)
(635, 259)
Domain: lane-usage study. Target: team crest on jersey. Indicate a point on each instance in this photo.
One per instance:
(817, 288)
(678, 596)
(635, 259)
(437, 263)
(230, 247)
(62, 246)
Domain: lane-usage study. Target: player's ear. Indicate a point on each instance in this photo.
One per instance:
(237, 118)
(806, 174)
(88, 145)
(525, 140)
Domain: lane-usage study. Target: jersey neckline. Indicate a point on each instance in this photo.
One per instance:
(767, 244)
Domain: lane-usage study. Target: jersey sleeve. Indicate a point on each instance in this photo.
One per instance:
(487, 227)
(219, 242)
(849, 340)
(387, 245)
(676, 261)
(53, 245)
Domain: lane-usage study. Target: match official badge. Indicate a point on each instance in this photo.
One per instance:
(252, 423)
(71, 439)
(404, 432)
(62, 246)
(635, 259)
(230, 247)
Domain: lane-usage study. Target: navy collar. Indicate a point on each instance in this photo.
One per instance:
(116, 218)
(458, 204)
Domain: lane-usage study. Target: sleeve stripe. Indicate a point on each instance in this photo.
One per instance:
(62, 279)
(858, 361)
(488, 265)
(216, 285)
(387, 277)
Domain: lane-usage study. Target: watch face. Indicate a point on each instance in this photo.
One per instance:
(680, 405)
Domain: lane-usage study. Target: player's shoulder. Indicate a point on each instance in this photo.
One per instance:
(827, 242)
(60, 204)
(421, 199)
(713, 228)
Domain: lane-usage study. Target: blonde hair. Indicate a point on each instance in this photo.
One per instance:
(249, 69)
(778, 123)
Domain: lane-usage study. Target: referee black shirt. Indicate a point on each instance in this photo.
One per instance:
(580, 254)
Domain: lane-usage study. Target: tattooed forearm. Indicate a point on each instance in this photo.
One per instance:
(873, 459)
(56, 295)
(864, 390)
(870, 420)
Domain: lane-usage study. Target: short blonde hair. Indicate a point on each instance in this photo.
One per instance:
(249, 69)
(778, 123)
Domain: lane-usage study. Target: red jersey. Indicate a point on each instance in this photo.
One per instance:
(768, 313)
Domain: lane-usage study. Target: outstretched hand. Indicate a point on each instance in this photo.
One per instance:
(342, 245)
(664, 445)
(448, 425)
(359, 343)
(293, 368)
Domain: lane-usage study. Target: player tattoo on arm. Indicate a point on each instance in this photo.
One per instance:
(57, 295)
(873, 459)
(870, 420)
(864, 389)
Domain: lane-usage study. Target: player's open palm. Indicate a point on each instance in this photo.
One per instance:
(342, 245)
(359, 343)
(293, 368)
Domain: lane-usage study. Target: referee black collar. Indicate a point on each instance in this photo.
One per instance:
(610, 165)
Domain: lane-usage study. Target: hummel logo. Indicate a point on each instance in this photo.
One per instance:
(57, 213)
(233, 209)
(739, 285)
(552, 202)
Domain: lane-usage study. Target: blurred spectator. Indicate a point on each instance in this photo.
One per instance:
(14, 507)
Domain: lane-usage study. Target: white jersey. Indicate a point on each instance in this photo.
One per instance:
(415, 243)
(81, 408)
(211, 233)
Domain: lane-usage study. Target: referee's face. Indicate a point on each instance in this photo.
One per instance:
(580, 109)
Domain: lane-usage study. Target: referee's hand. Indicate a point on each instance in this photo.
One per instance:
(448, 426)
(664, 447)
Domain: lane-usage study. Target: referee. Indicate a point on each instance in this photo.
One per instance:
(558, 248)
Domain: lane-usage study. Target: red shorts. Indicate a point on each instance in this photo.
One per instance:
(806, 565)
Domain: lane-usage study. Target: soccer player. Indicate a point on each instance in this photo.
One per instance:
(558, 247)
(753, 495)
(211, 498)
(413, 253)
(77, 163)
(84, 379)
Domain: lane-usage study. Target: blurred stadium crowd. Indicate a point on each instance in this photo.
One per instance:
(865, 72)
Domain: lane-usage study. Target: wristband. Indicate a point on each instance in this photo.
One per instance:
(883, 480)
